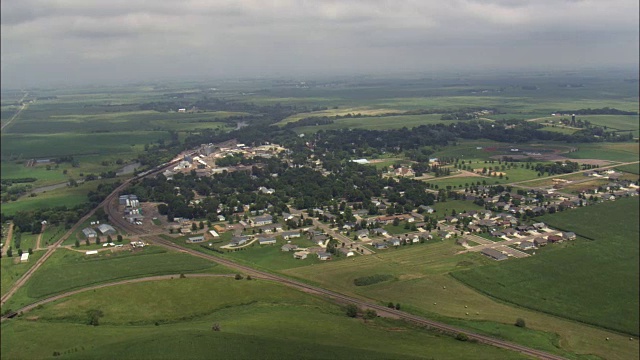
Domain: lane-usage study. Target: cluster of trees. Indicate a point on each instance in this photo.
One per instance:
(601, 111)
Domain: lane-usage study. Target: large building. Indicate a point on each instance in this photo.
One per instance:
(106, 229)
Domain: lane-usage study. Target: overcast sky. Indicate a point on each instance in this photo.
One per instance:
(91, 41)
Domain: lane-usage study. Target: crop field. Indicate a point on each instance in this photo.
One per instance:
(422, 286)
(632, 168)
(377, 123)
(68, 270)
(66, 196)
(559, 129)
(594, 282)
(13, 269)
(272, 318)
(624, 152)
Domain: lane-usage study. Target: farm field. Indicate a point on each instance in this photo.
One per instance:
(632, 169)
(377, 123)
(334, 112)
(272, 318)
(617, 122)
(68, 270)
(582, 274)
(66, 196)
(624, 152)
(421, 284)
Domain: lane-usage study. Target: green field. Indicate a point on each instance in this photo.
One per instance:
(632, 168)
(67, 270)
(257, 319)
(594, 281)
(13, 269)
(333, 112)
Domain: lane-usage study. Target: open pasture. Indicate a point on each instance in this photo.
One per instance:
(13, 269)
(270, 317)
(595, 282)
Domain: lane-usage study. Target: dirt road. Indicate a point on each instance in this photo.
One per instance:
(7, 241)
(24, 106)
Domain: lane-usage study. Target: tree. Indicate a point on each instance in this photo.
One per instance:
(9, 252)
(109, 239)
(370, 314)
(238, 277)
(397, 306)
(390, 305)
(520, 323)
(396, 222)
(194, 227)
(77, 243)
(201, 225)
(86, 242)
(352, 310)
(249, 277)
(97, 240)
(19, 252)
(30, 251)
(119, 238)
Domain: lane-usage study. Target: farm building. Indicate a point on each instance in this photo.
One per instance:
(106, 229)
(300, 255)
(196, 239)
(24, 257)
(494, 254)
(89, 233)
(214, 233)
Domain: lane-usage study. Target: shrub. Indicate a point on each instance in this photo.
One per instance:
(520, 323)
(238, 277)
(462, 337)
(352, 310)
(371, 279)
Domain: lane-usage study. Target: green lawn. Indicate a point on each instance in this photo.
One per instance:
(592, 281)
(257, 319)
(68, 270)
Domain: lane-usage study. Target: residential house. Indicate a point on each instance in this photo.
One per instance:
(380, 231)
(526, 245)
(196, 239)
(555, 239)
(263, 220)
(300, 255)
(362, 234)
(540, 241)
(290, 235)
(238, 240)
(494, 254)
(346, 252)
(569, 235)
(380, 245)
(394, 241)
(324, 255)
(263, 240)
(288, 247)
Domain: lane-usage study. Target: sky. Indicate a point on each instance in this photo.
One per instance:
(46, 42)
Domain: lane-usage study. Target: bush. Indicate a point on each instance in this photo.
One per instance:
(249, 277)
(520, 323)
(371, 279)
(238, 277)
(93, 317)
(390, 305)
(370, 314)
(462, 337)
(352, 310)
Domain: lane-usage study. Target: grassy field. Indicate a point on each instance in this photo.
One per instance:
(444, 208)
(624, 152)
(68, 270)
(13, 269)
(257, 320)
(595, 281)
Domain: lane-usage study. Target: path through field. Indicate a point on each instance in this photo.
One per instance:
(7, 241)
(24, 106)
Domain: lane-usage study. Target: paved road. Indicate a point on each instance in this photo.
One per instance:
(341, 238)
(24, 106)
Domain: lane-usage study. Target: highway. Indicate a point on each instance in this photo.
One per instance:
(22, 107)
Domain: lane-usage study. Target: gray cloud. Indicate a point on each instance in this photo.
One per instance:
(46, 41)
